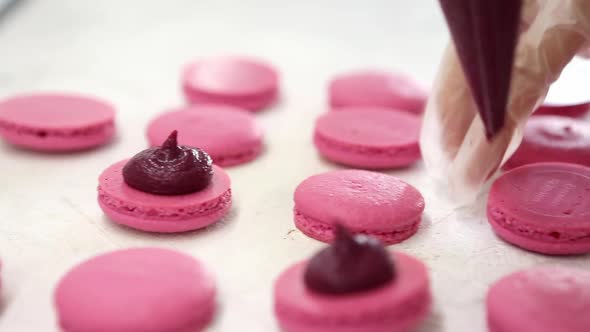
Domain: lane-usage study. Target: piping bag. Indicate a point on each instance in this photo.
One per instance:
(503, 57)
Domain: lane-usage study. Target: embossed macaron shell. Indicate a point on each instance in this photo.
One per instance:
(553, 139)
(163, 213)
(540, 299)
(543, 207)
(228, 134)
(136, 290)
(56, 122)
(374, 88)
(239, 81)
(368, 137)
(364, 202)
(399, 305)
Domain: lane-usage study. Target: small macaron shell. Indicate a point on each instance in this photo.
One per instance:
(399, 305)
(242, 82)
(540, 299)
(136, 290)
(553, 138)
(364, 202)
(56, 122)
(543, 207)
(228, 134)
(161, 213)
(370, 138)
(379, 89)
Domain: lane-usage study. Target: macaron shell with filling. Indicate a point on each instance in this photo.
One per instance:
(375, 88)
(228, 134)
(161, 213)
(540, 299)
(136, 290)
(56, 122)
(368, 137)
(362, 201)
(398, 306)
(543, 207)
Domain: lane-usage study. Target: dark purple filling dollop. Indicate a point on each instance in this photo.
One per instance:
(170, 169)
(350, 264)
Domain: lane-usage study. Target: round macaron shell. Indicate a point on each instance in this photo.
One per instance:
(541, 299)
(543, 207)
(136, 290)
(56, 122)
(160, 213)
(241, 82)
(229, 135)
(371, 138)
(364, 202)
(377, 89)
(398, 306)
(553, 139)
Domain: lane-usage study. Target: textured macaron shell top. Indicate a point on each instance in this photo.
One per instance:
(371, 127)
(136, 290)
(359, 200)
(404, 300)
(541, 299)
(545, 197)
(221, 131)
(377, 88)
(232, 76)
(60, 112)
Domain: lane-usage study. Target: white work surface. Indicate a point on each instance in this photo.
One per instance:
(131, 52)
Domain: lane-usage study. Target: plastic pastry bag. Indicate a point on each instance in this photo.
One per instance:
(454, 144)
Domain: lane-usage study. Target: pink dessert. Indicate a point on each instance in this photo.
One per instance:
(368, 137)
(230, 135)
(364, 202)
(163, 213)
(136, 290)
(241, 82)
(543, 207)
(399, 305)
(572, 111)
(553, 138)
(541, 299)
(372, 88)
(56, 122)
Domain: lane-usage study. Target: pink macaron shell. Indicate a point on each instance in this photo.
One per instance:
(228, 134)
(368, 137)
(572, 111)
(540, 299)
(56, 122)
(553, 139)
(136, 290)
(364, 202)
(161, 213)
(543, 208)
(238, 81)
(398, 306)
(378, 89)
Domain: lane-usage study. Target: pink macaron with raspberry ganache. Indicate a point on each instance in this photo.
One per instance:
(353, 285)
(365, 202)
(540, 299)
(543, 207)
(170, 188)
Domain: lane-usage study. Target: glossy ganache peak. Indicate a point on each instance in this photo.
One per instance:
(171, 169)
(350, 264)
(485, 33)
